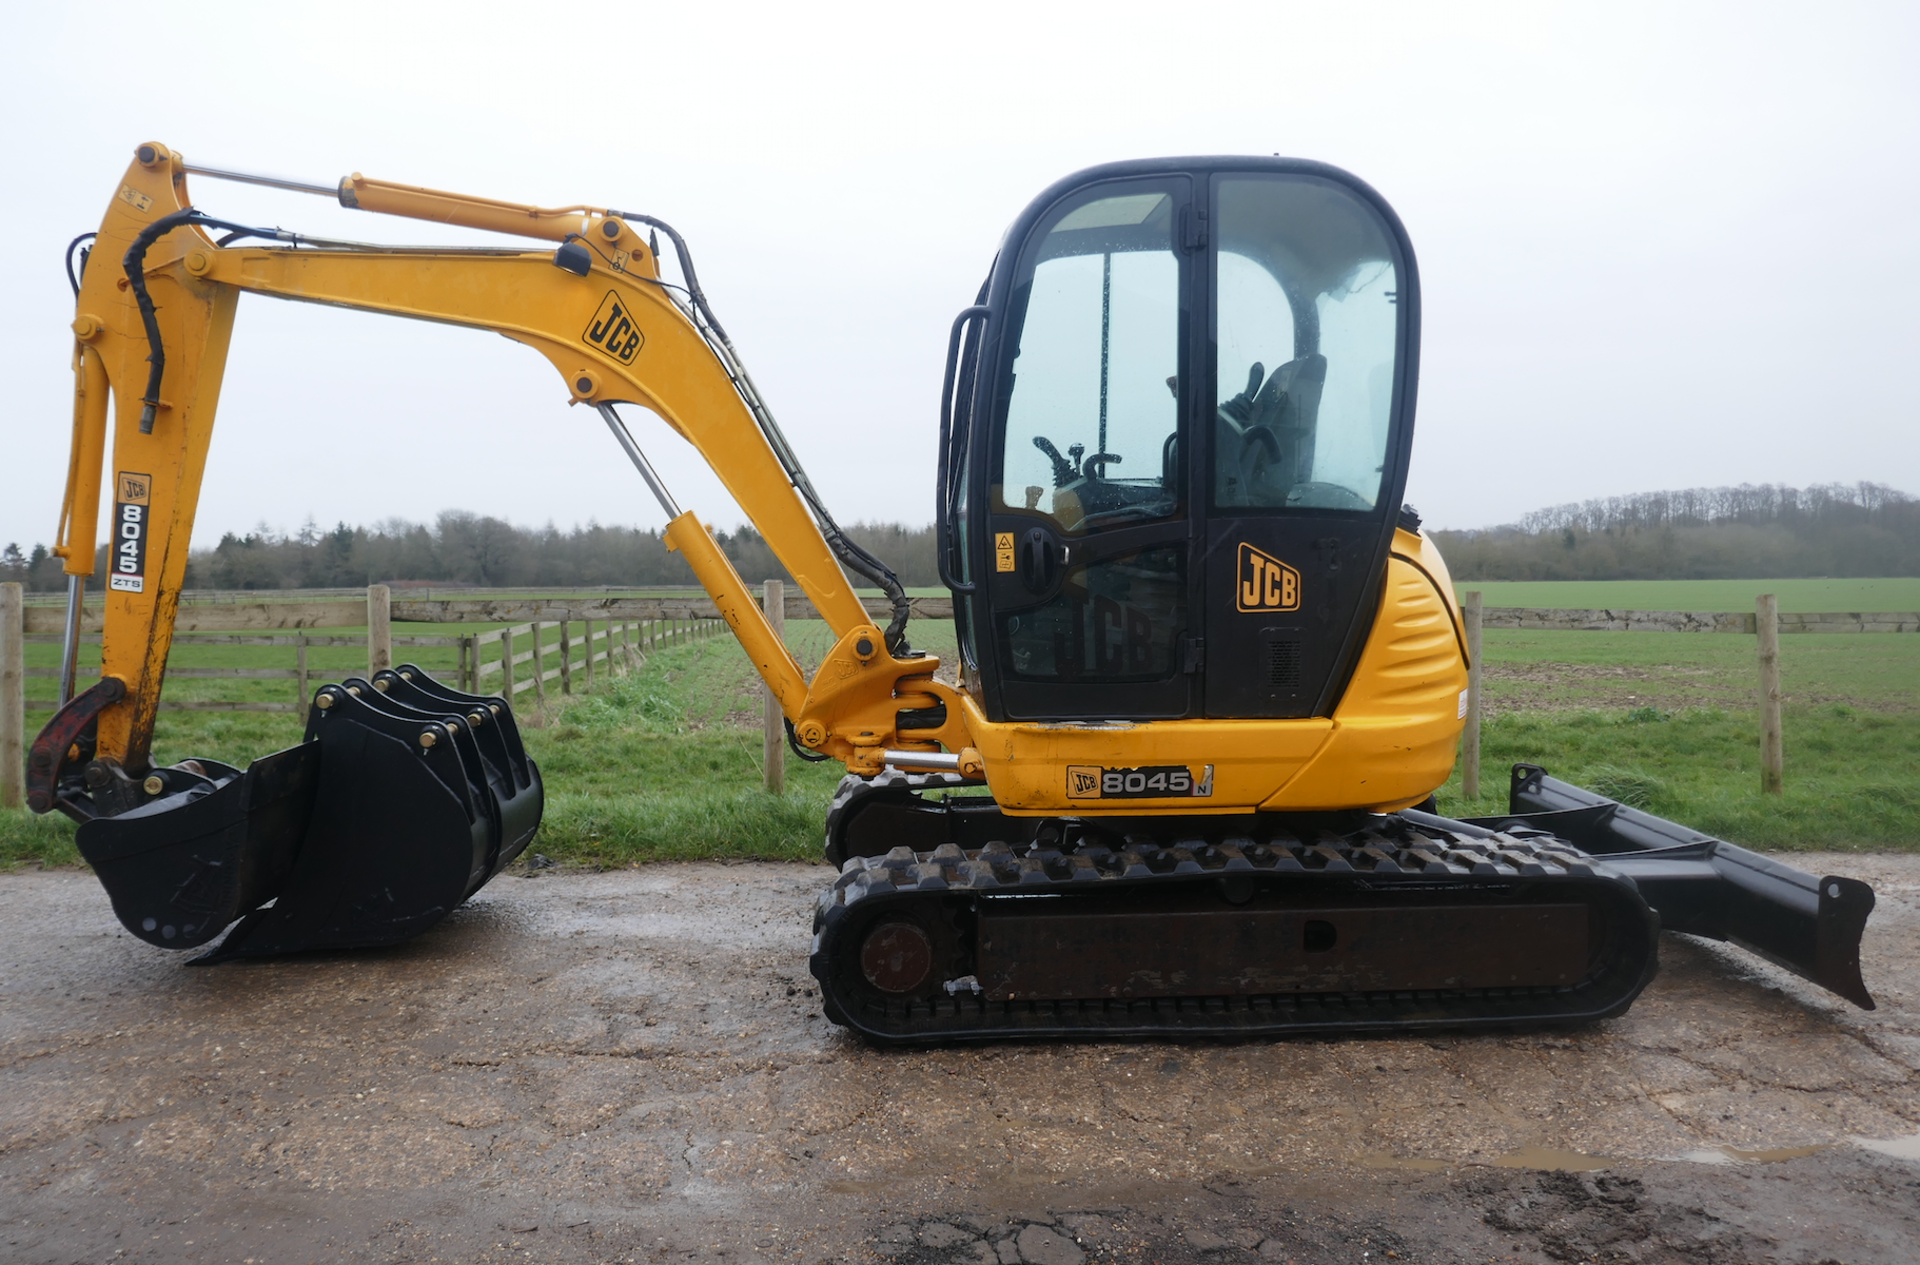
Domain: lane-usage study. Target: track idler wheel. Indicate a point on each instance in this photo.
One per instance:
(897, 958)
(909, 955)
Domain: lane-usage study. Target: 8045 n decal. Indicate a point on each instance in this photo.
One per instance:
(1151, 781)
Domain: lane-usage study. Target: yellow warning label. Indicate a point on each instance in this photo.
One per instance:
(134, 198)
(1003, 551)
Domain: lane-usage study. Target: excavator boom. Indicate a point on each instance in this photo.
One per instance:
(405, 797)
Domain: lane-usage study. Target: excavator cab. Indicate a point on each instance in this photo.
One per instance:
(1180, 443)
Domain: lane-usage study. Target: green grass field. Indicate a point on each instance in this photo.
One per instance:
(1670, 723)
(667, 763)
(1797, 596)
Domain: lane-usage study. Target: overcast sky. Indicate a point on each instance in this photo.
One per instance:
(1661, 245)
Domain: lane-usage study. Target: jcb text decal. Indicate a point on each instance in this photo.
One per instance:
(1153, 781)
(132, 498)
(613, 330)
(1266, 583)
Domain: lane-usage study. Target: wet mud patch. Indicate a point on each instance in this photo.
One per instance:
(1846, 1206)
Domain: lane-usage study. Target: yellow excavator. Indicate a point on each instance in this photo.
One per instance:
(1212, 672)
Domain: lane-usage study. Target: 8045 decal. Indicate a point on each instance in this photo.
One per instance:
(1149, 781)
(132, 498)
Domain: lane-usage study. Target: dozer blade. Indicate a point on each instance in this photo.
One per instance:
(404, 799)
(1810, 925)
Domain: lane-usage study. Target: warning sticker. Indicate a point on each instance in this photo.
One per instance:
(1003, 551)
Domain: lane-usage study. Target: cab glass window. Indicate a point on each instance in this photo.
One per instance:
(1116, 620)
(1093, 401)
(1305, 336)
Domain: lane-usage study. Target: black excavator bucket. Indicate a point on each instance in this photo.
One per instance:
(404, 799)
(1705, 886)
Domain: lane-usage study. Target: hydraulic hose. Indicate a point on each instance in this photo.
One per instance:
(74, 276)
(849, 552)
(135, 263)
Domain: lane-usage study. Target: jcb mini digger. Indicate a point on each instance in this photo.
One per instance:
(1212, 671)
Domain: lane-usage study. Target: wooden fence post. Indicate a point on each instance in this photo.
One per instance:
(13, 695)
(566, 657)
(301, 701)
(379, 628)
(506, 663)
(1470, 736)
(775, 601)
(1766, 623)
(540, 662)
(589, 624)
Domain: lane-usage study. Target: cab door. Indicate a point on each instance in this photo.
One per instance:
(1085, 557)
(1167, 515)
(1311, 321)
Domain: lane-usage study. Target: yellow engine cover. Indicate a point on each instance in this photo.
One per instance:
(1389, 744)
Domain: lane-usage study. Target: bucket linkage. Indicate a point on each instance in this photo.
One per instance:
(403, 800)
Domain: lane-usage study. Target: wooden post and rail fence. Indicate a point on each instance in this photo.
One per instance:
(618, 628)
(1765, 625)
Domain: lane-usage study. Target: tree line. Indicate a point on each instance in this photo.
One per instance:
(1745, 532)
(477, 550)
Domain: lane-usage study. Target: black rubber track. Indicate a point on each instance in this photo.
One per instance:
(1390, 865)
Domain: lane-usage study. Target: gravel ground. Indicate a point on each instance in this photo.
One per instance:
(631, 1066)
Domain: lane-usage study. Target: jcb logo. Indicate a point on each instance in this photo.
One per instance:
(1266, 583)
(613, 330)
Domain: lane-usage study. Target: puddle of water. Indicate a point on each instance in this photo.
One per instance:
(1907, 1148)
(1542, 1157)
(1777, 1155)
(1734, 1155)
(1383, 1160)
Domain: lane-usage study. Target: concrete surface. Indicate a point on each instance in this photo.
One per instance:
(632, 1067)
